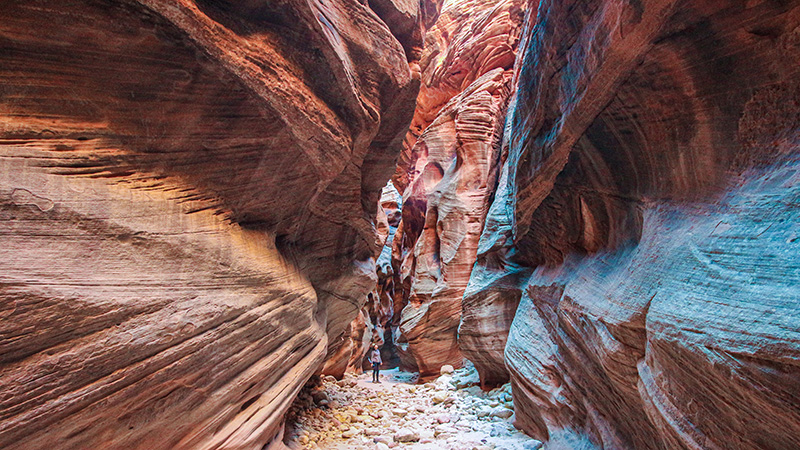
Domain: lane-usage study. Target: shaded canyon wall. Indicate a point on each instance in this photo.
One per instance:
(447, 173)
(643, 235)
(187, 202)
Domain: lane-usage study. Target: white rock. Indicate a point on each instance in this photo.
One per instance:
(426, 434)
(442, 397)
(446, 369)
(443, 418)
(499, 430)
(385, 439)
(406, 435)
(350, 433)
(399, 412)
(502, 412)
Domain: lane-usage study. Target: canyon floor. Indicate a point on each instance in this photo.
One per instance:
(451, 412)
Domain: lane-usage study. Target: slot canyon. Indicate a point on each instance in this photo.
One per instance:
(575, 222)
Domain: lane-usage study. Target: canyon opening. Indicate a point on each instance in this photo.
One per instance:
(409, 224)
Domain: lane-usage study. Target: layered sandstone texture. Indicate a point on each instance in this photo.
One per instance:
(187, 199)
(645, 222)
(448, 171)
(376, 317)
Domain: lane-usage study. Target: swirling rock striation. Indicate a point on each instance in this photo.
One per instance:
(646, 212)
(449, 172)
(187, 203)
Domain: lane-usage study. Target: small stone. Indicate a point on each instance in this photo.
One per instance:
(384, 439)
(399, 412)
(406, 435)
(319, 396)
(485, 412)
(443, 418)
(445, 430)
(381, 446)
(502, 412)
(441, 397)
(446, 369)
(499, 430)
(426, 434)
(350, 433)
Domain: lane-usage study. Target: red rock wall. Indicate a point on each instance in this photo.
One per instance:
(646, 220)
(187, 202)
(449, 171)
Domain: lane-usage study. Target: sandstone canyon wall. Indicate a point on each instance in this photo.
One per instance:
(448, 172)
(597, 200)
(644, 228)
(188, 192)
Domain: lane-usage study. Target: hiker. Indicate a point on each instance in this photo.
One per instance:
(375, 359)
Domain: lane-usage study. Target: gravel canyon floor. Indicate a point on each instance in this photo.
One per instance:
(451, 412)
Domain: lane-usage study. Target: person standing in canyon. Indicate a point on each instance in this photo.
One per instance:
(375, 359)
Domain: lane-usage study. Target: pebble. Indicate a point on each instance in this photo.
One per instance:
(502, 412)
(406, 435)
(350, 433)
(441, 397)
(484, 412)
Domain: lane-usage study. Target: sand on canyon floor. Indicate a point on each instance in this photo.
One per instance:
(449, 413)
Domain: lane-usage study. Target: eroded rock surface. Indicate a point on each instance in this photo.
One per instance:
(645, 220)
(188, 192)
(449, 172)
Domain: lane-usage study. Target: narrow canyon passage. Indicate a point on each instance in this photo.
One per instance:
(451, 412)
(212, 210)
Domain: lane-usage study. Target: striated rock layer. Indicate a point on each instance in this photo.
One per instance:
(187, 200)
(645, 221)
(449, 172)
